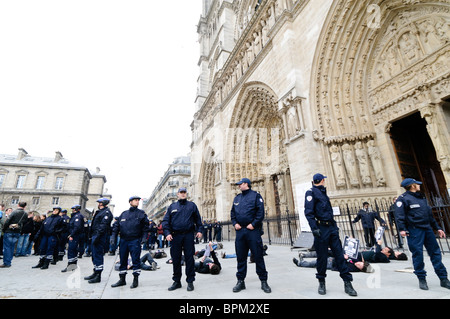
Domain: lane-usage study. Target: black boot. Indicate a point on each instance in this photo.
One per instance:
(46, 263)
(135, 281)
(349, 289)
(90, 277)
(322, 288)
(175, 285)
(70, 267)
(423, 284)
(445, 283)
(190, 286)
(40, 264)
(97, 278)
(265, 287)
(121, 281)
(239, 286)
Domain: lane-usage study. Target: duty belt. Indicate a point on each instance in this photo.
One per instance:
(325, 222)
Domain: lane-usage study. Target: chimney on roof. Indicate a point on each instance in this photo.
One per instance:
(58, 157)
(22, 154)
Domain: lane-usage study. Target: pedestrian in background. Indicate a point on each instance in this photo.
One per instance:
(12, 229)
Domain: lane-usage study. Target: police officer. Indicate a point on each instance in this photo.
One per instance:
(64, 235)
(75, 232)
(415, 220)
(100, 228)
(133, 228)
(247, 215)
(180, 224)
(50, 231)
(319, 213)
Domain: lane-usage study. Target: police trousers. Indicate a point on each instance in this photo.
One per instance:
(329, 237)
(48, 245)
(133, 248)
(98, 250)
(246, 240)
(419, 237)
(183, 243)
(72, 251)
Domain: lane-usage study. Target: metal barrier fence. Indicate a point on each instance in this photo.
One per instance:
(285, 229)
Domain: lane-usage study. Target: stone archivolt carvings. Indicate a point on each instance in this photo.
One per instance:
(367, 77)
(253, 40)
(254, 139)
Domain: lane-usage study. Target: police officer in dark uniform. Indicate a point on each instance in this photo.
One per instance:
(415, 220)
(75, 232)
(247, 215)
(133, 228)
(50, 231)
(64, 235)
(180, 224)
(99, 231)
(319, 213)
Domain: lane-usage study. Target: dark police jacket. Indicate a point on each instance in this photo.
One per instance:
(412, 210)
(76, 225)
(52, 226)
(101, 222)
(368, 218)
(318, 206)
(132, 224)
(182, 217)
(248, 208)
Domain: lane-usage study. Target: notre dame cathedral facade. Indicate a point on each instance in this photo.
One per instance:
(356, 90)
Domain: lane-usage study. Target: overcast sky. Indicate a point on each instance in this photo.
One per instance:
(108, 83)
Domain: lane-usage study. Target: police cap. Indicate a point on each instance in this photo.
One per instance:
(133, 198)
(244, 180)
(409, 181)
(104, 201)
(318, 177)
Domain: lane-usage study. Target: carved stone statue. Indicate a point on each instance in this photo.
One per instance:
(350, 164)
(377, 164)
(363, 162)
(338, 167)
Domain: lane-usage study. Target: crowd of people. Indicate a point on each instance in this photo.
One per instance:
(182, 226)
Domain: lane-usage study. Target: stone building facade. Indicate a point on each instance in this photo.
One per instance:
(165, 193)
(44, 183)
(356, 90)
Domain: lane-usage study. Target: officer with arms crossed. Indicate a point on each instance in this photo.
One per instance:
(133, 228)
(50, 230)
(247, 215)
(180, 224)
(319, 213)
(415, 220)
(100, 227)
(76, 230)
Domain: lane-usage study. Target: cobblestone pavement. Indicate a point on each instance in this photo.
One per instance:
(389, 281)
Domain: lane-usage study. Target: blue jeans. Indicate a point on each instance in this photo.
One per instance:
(9, 241)
(22, 245)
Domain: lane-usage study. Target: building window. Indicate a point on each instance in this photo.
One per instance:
(36, 201)
(20, 181)
(15, 200)
(55, 201)
(40, 182)
(59, 183)
(2, 179)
